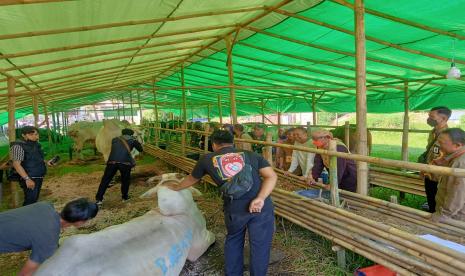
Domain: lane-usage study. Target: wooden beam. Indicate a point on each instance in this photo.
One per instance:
(341, 52)
(360, 64)
(114, 41)
(403, 21)
(406, 124)
(263, 111)
(220, 110)
(314, 118)
(232, 92)
(11, 110)
(370, 38)
(22, 2)
(35, 110)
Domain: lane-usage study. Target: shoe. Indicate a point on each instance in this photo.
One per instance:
(99, 203)
(125, 199)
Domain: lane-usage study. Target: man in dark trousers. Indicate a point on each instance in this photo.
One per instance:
(121, 160)
(37, 227)
(28, 161)
(252, 212)
(437, 118)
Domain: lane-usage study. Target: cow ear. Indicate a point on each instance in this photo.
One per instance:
(195, 192)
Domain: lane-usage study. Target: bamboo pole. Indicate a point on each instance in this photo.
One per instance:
(370, 38)
(268, 150)
(333, 175)
(131, 106)
(220, 110)
(47, 122)
(232, 92)
(406, 124)
(22, 2)
(346, 53)
(124, 109)
(155, 111)
(127, 23)
(347, 133)
(207, 129)
(140, 107)
(11, 110)
(184, 113)
(35, 111)
(208, 113)
(362, 167)
(403, 21)
(279, 120)
(314, 115)
(263, 111)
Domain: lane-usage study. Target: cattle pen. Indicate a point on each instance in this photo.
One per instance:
(162, 66)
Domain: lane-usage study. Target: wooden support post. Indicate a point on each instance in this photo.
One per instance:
(232, 92)
(360, 65)
(205, 146)
(155, 111)
(132, 108)
(95, 113)
(208, 113)
(35, 110)
(11, 109)
(309, 129)
(263, 111)
(268, 149)
(337, 119)
(314, 115)
(122, 104)
(184, 114)
(406, 124)
(279, 120)
(347, 134)
(47, 122)
(220, 111)
(118, 110)
(333, 175)
(341, 253)
(140, 107)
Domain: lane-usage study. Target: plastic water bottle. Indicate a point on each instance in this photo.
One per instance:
(325, 176)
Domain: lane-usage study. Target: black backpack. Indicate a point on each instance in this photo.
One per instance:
(240, 183)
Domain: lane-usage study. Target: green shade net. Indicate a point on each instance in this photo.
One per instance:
(283, 62)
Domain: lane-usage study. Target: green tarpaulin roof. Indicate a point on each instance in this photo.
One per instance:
(70, 48)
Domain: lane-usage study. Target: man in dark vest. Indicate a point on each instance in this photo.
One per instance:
(28, 161)
(121, 160)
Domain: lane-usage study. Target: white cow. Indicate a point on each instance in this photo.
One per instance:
(157, 243)
(111, 129)
(83, 132)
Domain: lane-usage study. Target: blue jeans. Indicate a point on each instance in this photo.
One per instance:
(31, 195)
(261, 228)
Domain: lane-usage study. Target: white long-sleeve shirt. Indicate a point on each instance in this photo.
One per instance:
(303, 159)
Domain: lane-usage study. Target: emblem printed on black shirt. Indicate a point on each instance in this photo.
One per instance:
(228, 164)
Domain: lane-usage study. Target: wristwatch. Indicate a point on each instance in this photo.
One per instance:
(26, 178)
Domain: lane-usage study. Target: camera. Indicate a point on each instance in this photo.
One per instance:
(54, 160)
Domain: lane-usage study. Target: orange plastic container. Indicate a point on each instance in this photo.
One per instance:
(375, 270)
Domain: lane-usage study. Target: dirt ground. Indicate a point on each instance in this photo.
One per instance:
(286, 259)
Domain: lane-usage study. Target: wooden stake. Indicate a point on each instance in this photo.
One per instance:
(314, 118)
(279, 120)
(47, 121)
(360, 50)
(333, 175)
(406, 124)
(35, 111)
(140, 107)
(124, 109)
(207, 129)
(220, 110)
(11, 110)
(208, 113)
(184, 113)
(132, 109)
(155, 111)
(263, 111)
(232, 92)
(268, 149)
(347, 133)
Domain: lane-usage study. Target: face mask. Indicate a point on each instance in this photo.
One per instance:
(318, 143)
(431, 122)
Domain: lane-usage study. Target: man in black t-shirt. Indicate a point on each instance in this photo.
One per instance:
(252, 211)
(37, 227)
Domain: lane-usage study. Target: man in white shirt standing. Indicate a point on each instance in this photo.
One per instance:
(301, 158)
